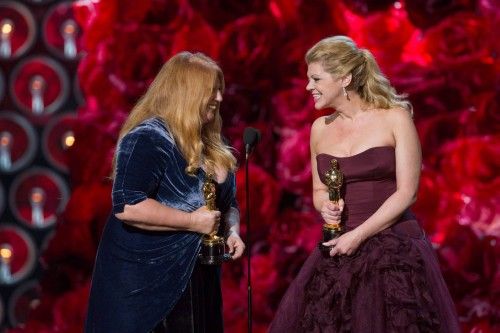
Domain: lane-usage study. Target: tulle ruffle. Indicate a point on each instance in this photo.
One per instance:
(380, 288)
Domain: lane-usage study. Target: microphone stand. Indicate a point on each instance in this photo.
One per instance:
(249, 245)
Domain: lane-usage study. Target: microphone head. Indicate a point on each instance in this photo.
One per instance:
(251, 136)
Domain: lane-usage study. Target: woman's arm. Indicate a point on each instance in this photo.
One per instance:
(330, 212)
(408, 166)
(144, 155)
(149, 214)
(232, 221)
(234, 242)
(320, 190)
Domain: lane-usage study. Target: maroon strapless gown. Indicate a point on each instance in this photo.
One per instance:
(392, 283)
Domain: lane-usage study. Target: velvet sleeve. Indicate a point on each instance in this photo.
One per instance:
(233, 201)
(141, 162)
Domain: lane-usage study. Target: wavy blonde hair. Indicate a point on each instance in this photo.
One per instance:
(179, 95)
(340, 56)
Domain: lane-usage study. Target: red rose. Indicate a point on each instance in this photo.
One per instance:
(448, 81)
(234, 290)
(99, 19)
(425, 13)
(372, 32)
(220, 12)
(458, 258)
(483, 326)
(294, 163)
(489, 11)
(264, 279)
(32, 326)
(480, 212)
(164, 12)
(241, 325)
(292, 238)
(248, 43)
(264, 199)
(304, 25)
(435, 131)
(232, 274)
(196, 35)
(293, 108)
(458, 39)
(124, 64)
(478, 310)
(478, 74)
(70, 310)
(431, 90)
(295, 230)
(364, 7)
(96, 19)
(491, 258)
(72, 250)
(234, 305)
(435, 203)
(88, 164)
(472, 164)
(485, 114)
(471, 269)
(241, 99)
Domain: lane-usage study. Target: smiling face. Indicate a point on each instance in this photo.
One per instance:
(212, 107)
(325, 89)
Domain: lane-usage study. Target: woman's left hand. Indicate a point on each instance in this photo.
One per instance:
(236, 245)
(346, 244)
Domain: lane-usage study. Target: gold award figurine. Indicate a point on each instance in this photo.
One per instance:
(334, 180)
(213, 246)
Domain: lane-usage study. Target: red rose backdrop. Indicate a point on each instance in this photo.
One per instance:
(444, 54)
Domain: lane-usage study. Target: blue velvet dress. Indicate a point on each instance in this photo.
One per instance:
(140, 276)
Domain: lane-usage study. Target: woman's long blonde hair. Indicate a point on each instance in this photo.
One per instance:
(179, 95)
(340, 56)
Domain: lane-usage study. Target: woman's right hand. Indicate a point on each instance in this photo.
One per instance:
(204, 221)
(332, 212)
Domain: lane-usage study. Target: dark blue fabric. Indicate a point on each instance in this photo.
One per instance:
(139, 275)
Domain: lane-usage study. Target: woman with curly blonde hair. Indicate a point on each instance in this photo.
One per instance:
(380, 275)
(146, 276)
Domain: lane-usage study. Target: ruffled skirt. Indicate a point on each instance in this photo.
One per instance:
(391, 284)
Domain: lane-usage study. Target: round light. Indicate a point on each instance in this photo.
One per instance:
(69, 27)
(37, 195)
(5, 139)
(5, 253)
(7, 27)
(68, 139)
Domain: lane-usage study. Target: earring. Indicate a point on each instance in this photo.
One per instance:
(346, 95)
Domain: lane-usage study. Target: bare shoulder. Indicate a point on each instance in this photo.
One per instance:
(318, 124)
(317, 129)
(398, 115)
(397, 119)
(404, 130)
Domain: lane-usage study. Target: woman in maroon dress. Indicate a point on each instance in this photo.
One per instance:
(381, 274)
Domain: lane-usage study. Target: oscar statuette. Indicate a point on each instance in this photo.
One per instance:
(213, 246)
(334, 180)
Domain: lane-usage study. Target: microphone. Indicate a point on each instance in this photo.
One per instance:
(251, 136)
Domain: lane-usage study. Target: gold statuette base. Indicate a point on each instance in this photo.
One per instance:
(213, 251)
(330, 231)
